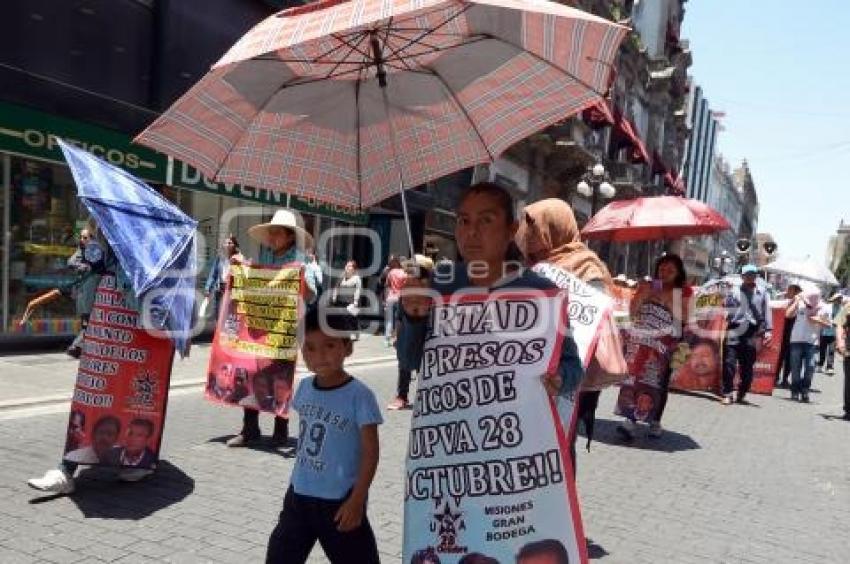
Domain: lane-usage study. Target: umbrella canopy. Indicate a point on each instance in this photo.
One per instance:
(348, 102)
(152, 238)
(805, 269)
(655, 218)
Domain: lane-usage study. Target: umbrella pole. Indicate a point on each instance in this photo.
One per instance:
(398, 170)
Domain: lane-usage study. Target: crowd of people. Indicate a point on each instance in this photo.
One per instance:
(337, 449)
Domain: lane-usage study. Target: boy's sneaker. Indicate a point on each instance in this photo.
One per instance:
(134, 474)
(830, 371)
(727, 400)
(397, 404)
(655, 430)
(54, 481)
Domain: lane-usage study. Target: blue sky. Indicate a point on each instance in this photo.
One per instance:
(781, 72)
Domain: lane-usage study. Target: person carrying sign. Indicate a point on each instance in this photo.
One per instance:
(749, 325)
(658, 313)
(284, 241)
(548, 233)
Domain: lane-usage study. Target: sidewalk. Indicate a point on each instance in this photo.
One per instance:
(42, 377)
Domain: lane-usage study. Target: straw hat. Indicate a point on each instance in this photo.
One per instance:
(281, 218)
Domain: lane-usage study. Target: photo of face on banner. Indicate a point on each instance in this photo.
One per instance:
(76, 430)
(101, 449)
(134, 449)
(697, 364)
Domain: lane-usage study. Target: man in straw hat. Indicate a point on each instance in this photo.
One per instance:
(284, 240)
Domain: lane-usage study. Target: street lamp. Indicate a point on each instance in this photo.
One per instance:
(594, 183)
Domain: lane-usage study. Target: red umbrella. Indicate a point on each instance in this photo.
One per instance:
(650, 219)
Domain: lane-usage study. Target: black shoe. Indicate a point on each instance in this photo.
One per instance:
(805, 398)
(74, 352)
(795, 396)
(742, 400)
(846, 416)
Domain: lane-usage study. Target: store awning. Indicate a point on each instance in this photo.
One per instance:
(625, 134)
(598, 116)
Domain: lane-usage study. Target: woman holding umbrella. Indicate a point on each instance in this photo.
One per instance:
(658, 313)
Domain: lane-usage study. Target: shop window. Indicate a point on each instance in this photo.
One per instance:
(45, 219)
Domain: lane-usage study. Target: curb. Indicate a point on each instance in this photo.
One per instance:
(23, 403)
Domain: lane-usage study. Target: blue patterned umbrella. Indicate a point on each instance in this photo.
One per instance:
(153, 240)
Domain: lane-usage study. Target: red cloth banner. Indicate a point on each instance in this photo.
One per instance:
(118, 408)
(255, 348)
(767, 362)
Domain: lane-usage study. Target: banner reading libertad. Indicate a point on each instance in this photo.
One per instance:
(487, 467)
(118, 408)
(255, 348)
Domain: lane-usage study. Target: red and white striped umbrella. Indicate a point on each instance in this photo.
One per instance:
(347, 102)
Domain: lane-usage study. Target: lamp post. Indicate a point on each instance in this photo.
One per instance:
(594, 183)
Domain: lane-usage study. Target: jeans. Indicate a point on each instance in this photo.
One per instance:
(305, 520)
(404, 377)
(827, 351)
(802, 367)
(742, 353)
(847, 385)
(390, 312)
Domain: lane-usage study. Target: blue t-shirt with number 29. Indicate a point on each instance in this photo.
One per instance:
(328, 455)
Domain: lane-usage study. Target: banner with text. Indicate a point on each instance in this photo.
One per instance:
(648, 349)
(488, 469)
(252, 363)
(118, 408)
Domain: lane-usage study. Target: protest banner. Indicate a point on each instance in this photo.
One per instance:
(120, 396)
(697, 362)
(587, 308)
(487, 467)
(766, 367)
(648, 347)
(255, 348)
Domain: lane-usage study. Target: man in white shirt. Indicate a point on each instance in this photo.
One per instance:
(805, 336)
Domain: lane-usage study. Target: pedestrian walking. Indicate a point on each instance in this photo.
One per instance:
(842, 326)
(313, 270)
(785, 350)
(826, 346)
(658, 311)
(393, 284)
(336, 458)
(748, 327)
(804, 341)
(89, 262)
(548, 232)
(283, 240)
(220, 270)
(411, 328)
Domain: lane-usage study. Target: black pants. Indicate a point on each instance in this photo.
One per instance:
(305, 520)
(742, 353)
(827, 351)
(665, 393)
(404, 377)
(251, 425)
(847, 385)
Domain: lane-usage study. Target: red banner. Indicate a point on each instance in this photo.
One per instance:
(255, 347)
(697, 363)
(767, 362)
(118, 408)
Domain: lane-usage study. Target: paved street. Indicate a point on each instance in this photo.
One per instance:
(769, 483)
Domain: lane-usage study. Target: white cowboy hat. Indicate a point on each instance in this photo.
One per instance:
(282, 218)
(621, 280)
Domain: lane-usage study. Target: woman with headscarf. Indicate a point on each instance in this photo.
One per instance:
(548, 232)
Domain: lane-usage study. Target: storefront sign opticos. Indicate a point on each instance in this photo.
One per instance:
(186, 176)
(31, 133)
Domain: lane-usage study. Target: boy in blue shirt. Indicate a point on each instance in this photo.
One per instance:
(336, 458)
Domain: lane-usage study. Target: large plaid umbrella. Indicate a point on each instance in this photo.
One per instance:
(348, 102)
